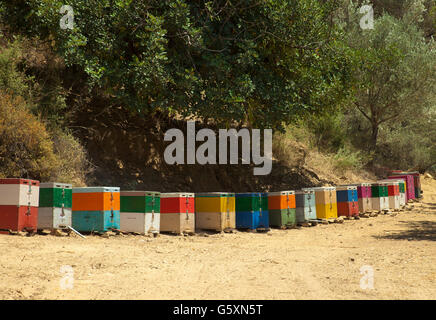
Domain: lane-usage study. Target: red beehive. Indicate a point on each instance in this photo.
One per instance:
(177, 203)
(348, 209)
(19, 200)
(177, 212)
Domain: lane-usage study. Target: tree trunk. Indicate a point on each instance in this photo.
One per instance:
(374, 135)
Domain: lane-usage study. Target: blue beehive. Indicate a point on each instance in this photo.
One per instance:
(96, 221)
(251, 210)
(349, 195)
(305, 205)
(96, 209)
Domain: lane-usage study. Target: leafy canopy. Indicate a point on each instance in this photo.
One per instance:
(263, 62)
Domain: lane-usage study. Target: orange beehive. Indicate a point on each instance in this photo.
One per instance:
(281, 200)
(100, 200)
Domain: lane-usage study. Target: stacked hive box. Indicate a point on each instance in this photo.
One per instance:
(215, 211)
(380, 200)
(55, 202)
(402, 191)
(305, 205)
(96, 209)
(347, 201)
(363, 196)
(326, 204)
(416, 181)
(140, 211)
(393, 194)
(410, 185)
(281, 209)
(177, 212)
(252, 210)
(19, 200)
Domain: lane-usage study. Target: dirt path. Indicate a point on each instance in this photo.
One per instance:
(322, 262)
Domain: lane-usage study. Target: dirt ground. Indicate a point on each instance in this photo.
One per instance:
(321, 262)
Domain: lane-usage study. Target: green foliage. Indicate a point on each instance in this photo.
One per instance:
(12, 78)
(27, 149)
(395, 74)
(260, 62)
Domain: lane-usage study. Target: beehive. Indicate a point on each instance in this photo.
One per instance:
(281, 209)
(215, 211)
(347, 201)
(379, 199)
(402, 191)
(140, 211)
(326, 203)
(96, 209)
(410, 185)
(19, 200)
(252, 210)
(417, 184)
(393, 193)
(305, 205)
(363, 196)
(177, 212)
(55, 203)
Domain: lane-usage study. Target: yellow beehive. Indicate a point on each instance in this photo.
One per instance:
(215, 211)
(326, 205)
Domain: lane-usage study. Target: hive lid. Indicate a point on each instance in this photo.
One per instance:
(389, 182)
(137, 193)
(55, 185)
(19, 181)
(324, 188)
(305, 191)
(281, 193)
(362, 184)
(379, 184)
(346, 187)
(215, 194)
(96, 189)
(250, 194)
(176, 195)
(398, 180)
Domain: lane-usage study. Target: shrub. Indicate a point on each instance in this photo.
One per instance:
(25, 146)
(27, 149)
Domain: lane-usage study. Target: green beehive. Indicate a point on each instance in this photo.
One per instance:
(55, 195)
(401, 185)
(282, 217)
(252, 203)
(146, 202)
(379, 190)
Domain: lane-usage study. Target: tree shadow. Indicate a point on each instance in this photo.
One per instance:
(417, 231)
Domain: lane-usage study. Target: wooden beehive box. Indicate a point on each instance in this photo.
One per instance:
(402, 191)
(96, 209)
(55, 203)
(252, 210)
(410, 185)
(363, 196)
(19, 192)
(326, 203)
(416, 177)
(177, 212)
(347, 201)
(19, 199)
(305, 205)
(215, 211)
(393, 193)
(379, 200)
(281, 209)
(140, 211)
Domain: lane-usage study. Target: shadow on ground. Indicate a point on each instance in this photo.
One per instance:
(417, 231)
